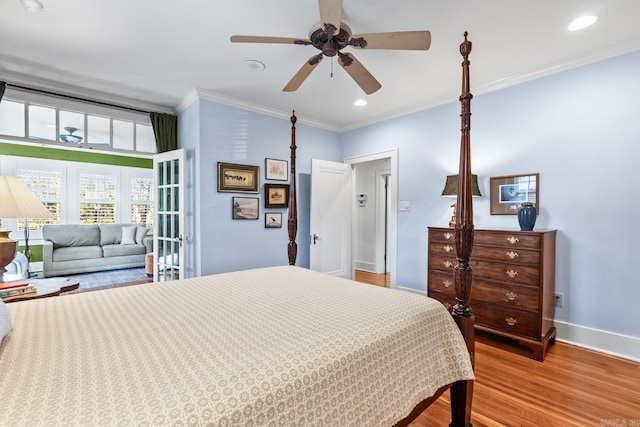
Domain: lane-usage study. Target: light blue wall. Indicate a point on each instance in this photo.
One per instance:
(580, 130)
(228, 134)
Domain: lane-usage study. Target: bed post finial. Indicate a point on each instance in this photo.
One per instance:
(462, 392)
(292, 222)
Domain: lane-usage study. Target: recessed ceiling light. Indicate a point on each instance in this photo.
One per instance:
(582, 22)
(360, 103)
(32, 5)
(252, 64)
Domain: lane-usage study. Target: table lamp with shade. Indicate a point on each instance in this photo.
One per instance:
(16, 201)
(451, 190)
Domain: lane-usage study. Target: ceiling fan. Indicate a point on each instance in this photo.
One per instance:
(331, 35)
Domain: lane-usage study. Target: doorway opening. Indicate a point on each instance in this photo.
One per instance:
(375, 230)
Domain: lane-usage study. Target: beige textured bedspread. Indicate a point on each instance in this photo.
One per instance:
(274, 346)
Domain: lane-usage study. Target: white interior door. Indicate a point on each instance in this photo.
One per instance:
(330, 222)
(168, 226)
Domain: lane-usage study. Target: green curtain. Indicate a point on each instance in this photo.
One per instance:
(165, 128)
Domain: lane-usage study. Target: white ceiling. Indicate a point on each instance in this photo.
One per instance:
(152, 54)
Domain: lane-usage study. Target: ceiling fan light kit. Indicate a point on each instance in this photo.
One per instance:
(331, 35)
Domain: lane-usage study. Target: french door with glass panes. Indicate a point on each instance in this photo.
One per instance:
(169, 221)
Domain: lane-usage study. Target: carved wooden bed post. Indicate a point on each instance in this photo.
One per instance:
(462, 391)
(292, 221)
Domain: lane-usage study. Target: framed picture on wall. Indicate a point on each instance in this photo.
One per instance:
(245, 207)
(509, 192)
(276, 195)
(235, 178)
(272, 220)
(276, 170)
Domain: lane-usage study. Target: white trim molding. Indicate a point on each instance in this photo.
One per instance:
(624, 346)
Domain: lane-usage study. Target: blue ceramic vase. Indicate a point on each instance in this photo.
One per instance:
(527, 216)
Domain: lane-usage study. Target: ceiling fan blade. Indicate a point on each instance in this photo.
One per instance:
(361, 75)
(266, 39)
(331, 13)
(407, 40)
(303, 73)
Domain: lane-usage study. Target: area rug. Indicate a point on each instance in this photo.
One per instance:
(106, 279)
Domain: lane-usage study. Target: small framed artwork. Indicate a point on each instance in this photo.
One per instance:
(245, 208)
(234, 178)
(276, 195)
(509, 192)
(276, 170)
(272, 220)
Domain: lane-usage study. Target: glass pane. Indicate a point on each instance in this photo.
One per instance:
(176, 170)
(160, 173)
(12, 118)
(71, 127)
(99, 131)
(161, 218)
(161, 199)
(176, 225)
(142, 189)
(176, 199)
(42, 122)
(142, 214)
(145, 139)
(168, 201)
(122, 135)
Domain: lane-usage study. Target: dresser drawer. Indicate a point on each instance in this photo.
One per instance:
(516, 296)
(503, 272)
(441, 281)
(516, 240)
(442, 263)
(511, 255)
(442, 248)
(447, 300)
(446, 235)
(510, 320)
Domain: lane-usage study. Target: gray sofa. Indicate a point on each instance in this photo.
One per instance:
(85, 248)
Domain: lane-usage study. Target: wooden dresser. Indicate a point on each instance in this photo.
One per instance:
(513, 282)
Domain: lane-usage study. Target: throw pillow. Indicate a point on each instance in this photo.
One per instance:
(128, 235)
(5, 320)
(140, 233)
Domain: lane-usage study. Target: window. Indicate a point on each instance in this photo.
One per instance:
(97, 198)
(142, 190)
(61, 122)
(47, 187)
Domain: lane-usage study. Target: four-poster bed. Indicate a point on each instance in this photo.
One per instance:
(280, 345)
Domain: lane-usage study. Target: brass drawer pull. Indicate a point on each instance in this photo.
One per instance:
(511, 321)
(447, 248)
(448, 264)
(511, 296)
(512, 255)
(513, 240)
(447, 283)
(448, 235)
(512, 273)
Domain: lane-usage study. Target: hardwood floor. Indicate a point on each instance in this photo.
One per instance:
(383, 280)
(572, 387)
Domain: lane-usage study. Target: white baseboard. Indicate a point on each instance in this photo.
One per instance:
(624, 346)
(365, 266)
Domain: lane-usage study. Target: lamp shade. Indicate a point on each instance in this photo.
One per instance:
(451, 186)
(16, 201)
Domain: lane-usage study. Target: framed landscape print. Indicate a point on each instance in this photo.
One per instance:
(234, 178)
(276, 195)
(276, 170)
(272, 220)
(245, 207)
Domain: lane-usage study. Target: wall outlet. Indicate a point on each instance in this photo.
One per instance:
(558, 299)
(404, 206)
